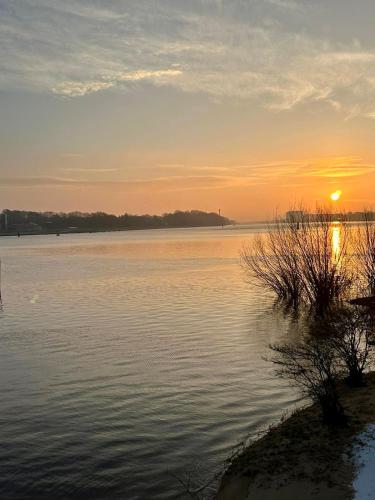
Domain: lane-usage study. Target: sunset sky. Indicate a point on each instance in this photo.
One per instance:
(155, 105)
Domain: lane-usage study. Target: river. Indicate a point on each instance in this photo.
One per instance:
(130, 358)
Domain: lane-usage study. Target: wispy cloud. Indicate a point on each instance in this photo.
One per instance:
(234, 49)
(302, 171)
(88, 170)
(71, 155)
(285, 4)
(76, 88)
(338, 168)
(283, 173)
(184, 183)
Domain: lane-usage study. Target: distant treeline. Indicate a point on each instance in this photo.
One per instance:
(19, 221)
(301, 215)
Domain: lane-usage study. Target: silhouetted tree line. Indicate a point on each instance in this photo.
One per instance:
(24, 221)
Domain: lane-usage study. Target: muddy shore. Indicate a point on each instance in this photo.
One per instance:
(301, 457)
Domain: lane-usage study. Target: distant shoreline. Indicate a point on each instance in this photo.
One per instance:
(301, 457)
(87, 231)
(23, 222)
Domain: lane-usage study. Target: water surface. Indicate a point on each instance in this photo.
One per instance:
(128, 358)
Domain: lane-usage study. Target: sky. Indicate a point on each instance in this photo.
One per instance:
(150, 106)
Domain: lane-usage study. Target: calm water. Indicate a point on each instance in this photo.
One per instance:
(128, 358)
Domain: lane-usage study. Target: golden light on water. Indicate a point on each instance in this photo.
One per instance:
(336, 231)
(336, 243)
(336, 195)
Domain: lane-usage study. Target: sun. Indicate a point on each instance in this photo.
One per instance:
(335, 196)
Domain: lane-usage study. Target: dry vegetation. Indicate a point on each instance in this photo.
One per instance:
(350, 331)
(313, 260)
(307, 455)
(310, 364)
(364, 248)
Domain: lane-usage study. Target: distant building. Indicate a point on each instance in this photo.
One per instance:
(294, 216)
(360, 216)
(3, 222)
(26, 228)
(13, 222)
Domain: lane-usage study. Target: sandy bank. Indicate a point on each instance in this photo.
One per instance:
(301, 457)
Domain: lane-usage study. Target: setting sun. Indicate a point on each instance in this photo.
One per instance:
(336, 195)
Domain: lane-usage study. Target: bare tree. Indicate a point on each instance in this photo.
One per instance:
(271, 261)
(310, 364)
(324, 260)
(351, 334)
(364, 247)
(305, 260)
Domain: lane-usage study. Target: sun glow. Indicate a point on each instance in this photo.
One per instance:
(335, 196)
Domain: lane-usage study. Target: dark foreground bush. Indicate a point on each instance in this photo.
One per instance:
(310, 364)
(350, 331)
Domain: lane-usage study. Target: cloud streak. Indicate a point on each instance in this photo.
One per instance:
(232, 50)
(184, 183)
(75, 88)
(283, 173)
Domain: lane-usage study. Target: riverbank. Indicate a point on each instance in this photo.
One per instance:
(105, 230)
(301, 457)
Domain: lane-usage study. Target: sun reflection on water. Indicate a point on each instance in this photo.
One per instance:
(336, 242)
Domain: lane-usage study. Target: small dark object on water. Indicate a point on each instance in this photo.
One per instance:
(364, 301)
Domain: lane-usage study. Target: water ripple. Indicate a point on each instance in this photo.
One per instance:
(126, 358)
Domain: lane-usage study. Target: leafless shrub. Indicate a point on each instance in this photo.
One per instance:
(364, 247)
(302, 261)
(324, 260)
(350, 331)
(271, 261)
(310, 364)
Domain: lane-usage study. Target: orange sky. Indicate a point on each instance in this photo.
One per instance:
(249, 107)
